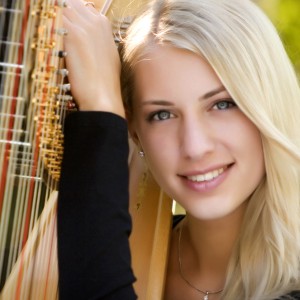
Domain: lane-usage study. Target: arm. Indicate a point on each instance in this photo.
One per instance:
(93, 218)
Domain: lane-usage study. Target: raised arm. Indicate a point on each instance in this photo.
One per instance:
(93, 219)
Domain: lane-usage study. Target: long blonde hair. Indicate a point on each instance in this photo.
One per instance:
(244, 49)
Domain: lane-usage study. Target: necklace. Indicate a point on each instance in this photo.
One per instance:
(205, 293)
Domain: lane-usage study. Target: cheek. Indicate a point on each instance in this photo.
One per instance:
(156, 146)
(250, 135)
(249, 143)
(160, 150)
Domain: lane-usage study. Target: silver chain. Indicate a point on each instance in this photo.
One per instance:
(205, 293)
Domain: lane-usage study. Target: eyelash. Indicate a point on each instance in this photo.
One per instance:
(154, 116)
(230, 104)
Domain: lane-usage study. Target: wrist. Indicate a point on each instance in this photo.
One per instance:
(110, 105)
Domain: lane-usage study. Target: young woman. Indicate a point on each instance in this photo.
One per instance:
(213, 102)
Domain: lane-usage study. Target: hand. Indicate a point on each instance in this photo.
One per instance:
(92, 59)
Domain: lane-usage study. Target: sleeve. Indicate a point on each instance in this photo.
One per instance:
(93, 219)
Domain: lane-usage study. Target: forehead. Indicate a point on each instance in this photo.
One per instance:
(166, 70)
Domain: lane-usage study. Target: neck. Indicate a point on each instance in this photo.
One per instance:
(206, 247)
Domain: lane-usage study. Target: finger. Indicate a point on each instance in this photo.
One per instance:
(92, 7)
(69, 26)
(89, 4)
(86, 17)
(71, 13)
(84, 8)
(76, 12)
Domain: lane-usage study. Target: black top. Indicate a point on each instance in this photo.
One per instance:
(93, 220)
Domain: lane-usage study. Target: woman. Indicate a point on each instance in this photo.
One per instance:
(212, 102)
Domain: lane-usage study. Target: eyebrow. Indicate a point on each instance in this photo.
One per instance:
(158, 102)
(167, 103)
(213, 92)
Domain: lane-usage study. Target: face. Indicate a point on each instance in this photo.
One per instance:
(202, 150)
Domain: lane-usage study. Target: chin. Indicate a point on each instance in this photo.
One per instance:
(216, 212)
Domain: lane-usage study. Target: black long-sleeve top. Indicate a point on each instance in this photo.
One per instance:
(93, 219)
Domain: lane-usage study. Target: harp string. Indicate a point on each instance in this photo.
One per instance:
(29, 129)
(43, 117)
(11, 54)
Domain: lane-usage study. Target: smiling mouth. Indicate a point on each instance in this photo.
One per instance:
(207, 176)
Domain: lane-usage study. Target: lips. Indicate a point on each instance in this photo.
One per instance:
(208, 175)
(206, 180)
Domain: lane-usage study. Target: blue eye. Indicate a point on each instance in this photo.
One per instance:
(224, 104)
(160, 115)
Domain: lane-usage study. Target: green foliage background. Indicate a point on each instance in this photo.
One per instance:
(285, 14)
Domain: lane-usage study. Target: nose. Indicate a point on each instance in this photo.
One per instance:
(197, 138)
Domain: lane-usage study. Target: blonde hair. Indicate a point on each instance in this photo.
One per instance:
(244, 49)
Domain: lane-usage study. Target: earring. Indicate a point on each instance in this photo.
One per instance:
(141, 153)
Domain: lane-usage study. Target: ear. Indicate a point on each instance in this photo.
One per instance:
(132, 131)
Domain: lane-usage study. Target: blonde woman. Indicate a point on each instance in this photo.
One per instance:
(213, 103)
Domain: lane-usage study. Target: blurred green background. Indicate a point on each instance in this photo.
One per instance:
(285, 15)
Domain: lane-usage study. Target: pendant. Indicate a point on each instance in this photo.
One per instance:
(205, 297)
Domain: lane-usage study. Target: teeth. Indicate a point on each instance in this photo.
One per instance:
(207, 176)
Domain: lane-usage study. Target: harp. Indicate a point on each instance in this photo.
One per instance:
(34, 100)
